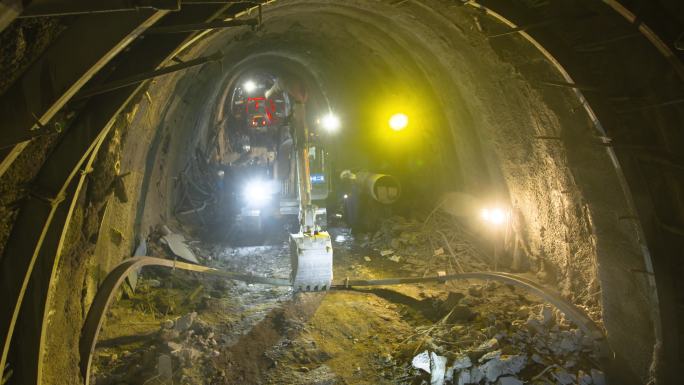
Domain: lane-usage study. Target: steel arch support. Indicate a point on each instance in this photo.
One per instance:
(64, 68)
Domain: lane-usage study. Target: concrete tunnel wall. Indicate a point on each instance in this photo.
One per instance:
(485, 113)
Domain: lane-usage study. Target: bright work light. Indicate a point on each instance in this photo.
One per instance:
(250, 86)
(495, 216)
(398, 121)
(258, 193)
(330, 122)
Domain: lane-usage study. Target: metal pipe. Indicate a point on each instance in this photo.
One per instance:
(383, 188)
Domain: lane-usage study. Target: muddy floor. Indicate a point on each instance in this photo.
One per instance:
(183, 328)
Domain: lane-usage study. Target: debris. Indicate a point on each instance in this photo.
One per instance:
(422, 361)
(132, 278)
(395, 258)
(174, 347)
(367, 258)
(431, 363)
(490, 356)
(439, 251)
(385, 253)
(508, 381)
(441, 273)
(563, 377)
(584, 378)
(437, 369)
(164, 367)
(475, 291)
(453, 299)
(462, 362)
(546, 315)
(183, 323)
(464, 377)
(598, 377)
(503, 365)
(176, 243)
(489, 344)
(475, 375)
(461, 313)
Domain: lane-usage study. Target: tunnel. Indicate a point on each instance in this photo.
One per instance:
(342, 192)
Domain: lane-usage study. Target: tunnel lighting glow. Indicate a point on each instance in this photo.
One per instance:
(330, 123)
(258, 192)
(495, 216)
(250, 86)
(346, 196)
(398, 122)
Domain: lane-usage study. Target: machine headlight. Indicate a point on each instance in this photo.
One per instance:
(258, 192)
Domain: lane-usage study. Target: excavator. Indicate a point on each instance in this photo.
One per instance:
(311, 246)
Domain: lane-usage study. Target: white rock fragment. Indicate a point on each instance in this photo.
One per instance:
(395, 258)
(431, 363)
(437, 369)
(422, 361)
(449, 374)
(367, 258)
(385, 253)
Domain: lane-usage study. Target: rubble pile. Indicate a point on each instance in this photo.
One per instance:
(440, 243)
(182, 351)
(511, 344)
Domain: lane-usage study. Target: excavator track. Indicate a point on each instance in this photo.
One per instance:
(109, 288)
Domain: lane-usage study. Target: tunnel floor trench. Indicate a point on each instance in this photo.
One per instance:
(184, 328)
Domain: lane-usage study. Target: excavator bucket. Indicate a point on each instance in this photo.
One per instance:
(312, 260)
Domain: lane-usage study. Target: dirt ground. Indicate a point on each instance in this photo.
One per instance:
(183, 328)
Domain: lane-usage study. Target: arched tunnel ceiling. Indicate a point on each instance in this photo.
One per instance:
(478, 103)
